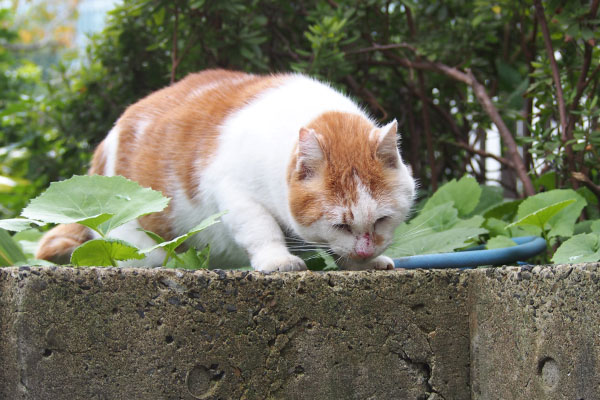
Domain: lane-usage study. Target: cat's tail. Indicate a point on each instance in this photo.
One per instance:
(58, 244)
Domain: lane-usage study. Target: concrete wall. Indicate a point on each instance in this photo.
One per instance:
(97, 333)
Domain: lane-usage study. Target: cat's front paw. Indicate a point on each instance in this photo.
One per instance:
(381, 263)
(272, 261)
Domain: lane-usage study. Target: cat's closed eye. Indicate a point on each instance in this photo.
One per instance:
(382, 220)
(343, 227)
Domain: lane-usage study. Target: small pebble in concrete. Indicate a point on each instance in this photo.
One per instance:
(549, 372)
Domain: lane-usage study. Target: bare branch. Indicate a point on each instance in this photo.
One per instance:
(471, 149)
(488, 106)
(376, 47)
(581, 177)
(367, 95)
(562, 109)
(424, 107)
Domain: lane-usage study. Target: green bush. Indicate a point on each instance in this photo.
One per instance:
(448, 71)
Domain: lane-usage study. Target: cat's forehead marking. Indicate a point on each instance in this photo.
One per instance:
(360, 211)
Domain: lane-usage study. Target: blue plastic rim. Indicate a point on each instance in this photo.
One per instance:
(527, 247)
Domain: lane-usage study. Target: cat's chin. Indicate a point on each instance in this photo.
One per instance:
(380, 262)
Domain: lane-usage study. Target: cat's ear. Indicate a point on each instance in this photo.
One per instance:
(387, 144)
(310, 153)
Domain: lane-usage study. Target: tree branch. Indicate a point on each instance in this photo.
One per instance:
(486, 103)
(367, 95)
(471, 149)
(581, 177)
(424, 107)
(562, 110)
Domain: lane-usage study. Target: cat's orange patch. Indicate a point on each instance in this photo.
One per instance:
(180, 126)
(349, 159)
(59, 242)
(98, 161)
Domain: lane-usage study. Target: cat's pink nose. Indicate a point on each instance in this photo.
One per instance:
(364, 247)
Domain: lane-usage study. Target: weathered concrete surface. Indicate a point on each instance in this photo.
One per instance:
(505, 333)
(535, 332)
(163, 334)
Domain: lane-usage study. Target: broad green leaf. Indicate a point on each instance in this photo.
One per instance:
(191, 259)
(99, 202)
(464, 193)
(504, 211)
(171, 245)
(546, 181)
(104, 253)
(496, 227)
(583, 227)
(429, 242)
(500, 242)
(438, 218)
(580, 248)
(475, 221)
(18, 224)
(561, 224)
(10, 252)
(595, 227)
(541, 217)
(490, 196)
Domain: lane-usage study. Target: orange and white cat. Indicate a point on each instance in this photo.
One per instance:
(287, 156)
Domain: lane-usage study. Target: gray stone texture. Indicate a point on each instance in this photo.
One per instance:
(106, 333)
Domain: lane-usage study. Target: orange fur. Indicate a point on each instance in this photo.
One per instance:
(343, 138)
(183, 132)
(182, 129)
(58, 243)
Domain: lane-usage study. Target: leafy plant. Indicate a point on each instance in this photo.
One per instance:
(460, 215)
(102, 204)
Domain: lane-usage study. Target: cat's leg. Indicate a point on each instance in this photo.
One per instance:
(257, 232)
(379, 263)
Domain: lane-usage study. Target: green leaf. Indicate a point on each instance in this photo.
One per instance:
(496, 227)
(10, 252)
(154, 236)
(595, 227)
(99, 202)
(19, 224)
(500, 242)
(541, 217)
(505, 211)
(561, 224)
(104, 253)
(490, 196)
(438, 218)
(191, 259)
(464, 193)
(580, 248)
(28, 240)
(546, 181)
(429, 242)
(171, 245)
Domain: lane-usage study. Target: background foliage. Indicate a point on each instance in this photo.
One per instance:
(448, 71)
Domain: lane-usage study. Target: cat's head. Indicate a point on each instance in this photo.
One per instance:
(348, 186)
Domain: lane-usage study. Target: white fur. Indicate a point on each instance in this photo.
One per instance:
(110, 148)
(247, 177)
